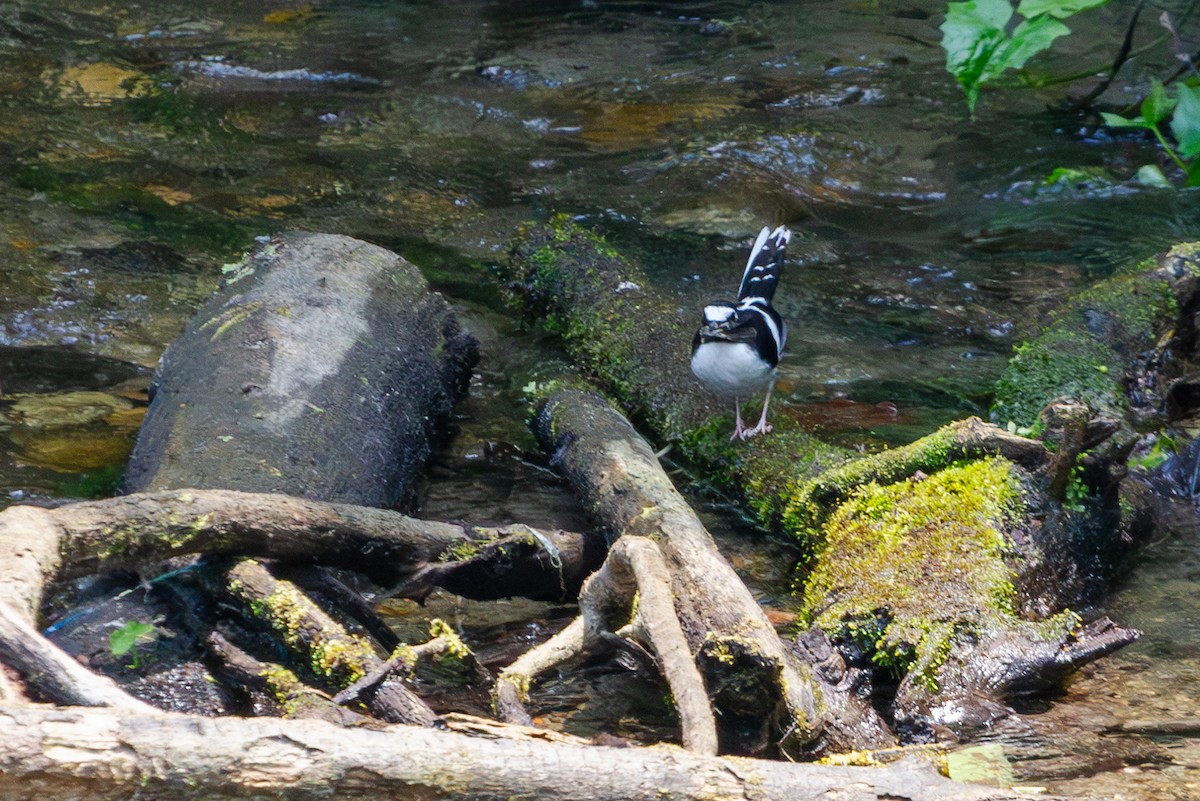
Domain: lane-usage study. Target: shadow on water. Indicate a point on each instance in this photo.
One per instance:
(143, 146)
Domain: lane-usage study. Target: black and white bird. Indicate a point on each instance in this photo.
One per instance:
(736, 351)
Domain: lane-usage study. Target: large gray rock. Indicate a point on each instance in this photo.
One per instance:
(324, 369)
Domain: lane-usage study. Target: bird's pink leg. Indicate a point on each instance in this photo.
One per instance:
(739, 431)
(763, 427)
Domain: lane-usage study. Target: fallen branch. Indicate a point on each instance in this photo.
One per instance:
(335, 656)
(168, 756)
(93, 537)
(752, 678)
(292, 697)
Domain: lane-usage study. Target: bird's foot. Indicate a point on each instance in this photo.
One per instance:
(761, 428)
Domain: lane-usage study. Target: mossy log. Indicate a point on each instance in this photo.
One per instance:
(1113, 368)
(967, 563)
(335, 656)
(1107, 347)
(277, 687)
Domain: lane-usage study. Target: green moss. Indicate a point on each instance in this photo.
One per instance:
(455, 648)
(908, 566)
(285, 687)
(1093, 342)
(583, 290)
(808, 503)
(334, 656)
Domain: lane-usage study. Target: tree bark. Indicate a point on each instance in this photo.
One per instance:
(135, 530)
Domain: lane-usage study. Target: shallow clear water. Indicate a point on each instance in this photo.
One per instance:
(143, 144)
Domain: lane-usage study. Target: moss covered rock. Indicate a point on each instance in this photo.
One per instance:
(1105, 342)
(916, 562)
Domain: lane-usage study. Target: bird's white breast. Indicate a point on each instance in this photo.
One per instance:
(731, 369)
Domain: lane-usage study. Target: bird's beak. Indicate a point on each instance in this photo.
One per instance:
(715, 331)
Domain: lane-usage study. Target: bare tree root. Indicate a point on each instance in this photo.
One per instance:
(750, 675)
(512, 685)
(635, 569)
(142, 529)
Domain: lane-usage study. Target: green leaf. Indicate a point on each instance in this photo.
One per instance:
(1030, 38)
(125, 638)
(971, 32)
(1193, 173)
(1061, 9)
(1117, 121)
(1185, 125)
(1151, 175)
(1068, 175)
(1157, 105)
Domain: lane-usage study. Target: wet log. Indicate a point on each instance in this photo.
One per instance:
(283, 689)
(324, 369)
(107, 754)
(89, 537)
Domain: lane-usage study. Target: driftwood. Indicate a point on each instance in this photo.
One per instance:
(761, 691)
(388, 547)
(108, 754)
(125, 749)
(324, 368)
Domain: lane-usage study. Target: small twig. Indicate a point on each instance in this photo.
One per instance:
(401, 662)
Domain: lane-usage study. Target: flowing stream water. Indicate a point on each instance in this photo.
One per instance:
(143, 145)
